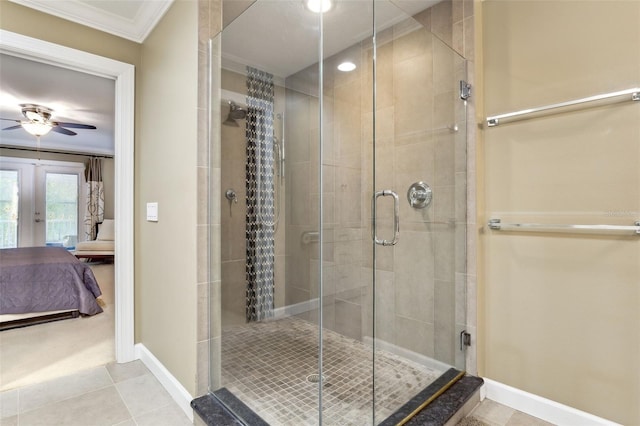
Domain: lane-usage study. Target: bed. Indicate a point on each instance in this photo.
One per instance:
(41, 284)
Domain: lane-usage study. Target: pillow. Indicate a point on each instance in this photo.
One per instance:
(106, 231)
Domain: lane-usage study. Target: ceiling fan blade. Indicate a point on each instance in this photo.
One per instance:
(13, 127)
(74, 125)
(10, 119)
(62, 130)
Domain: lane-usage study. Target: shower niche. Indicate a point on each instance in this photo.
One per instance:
(314, 322)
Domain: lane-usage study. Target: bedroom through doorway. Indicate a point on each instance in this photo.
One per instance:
(43, 203)
(47, 351)
(110, 332)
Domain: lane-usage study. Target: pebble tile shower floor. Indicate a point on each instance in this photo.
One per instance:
(267, 365)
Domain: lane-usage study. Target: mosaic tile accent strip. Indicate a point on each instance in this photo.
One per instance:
(266, 365)
(260, 195)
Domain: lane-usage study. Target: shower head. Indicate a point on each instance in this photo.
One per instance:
(235, 113)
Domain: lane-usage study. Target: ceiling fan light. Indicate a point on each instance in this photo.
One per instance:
(34, 112)
(33, 116)
(36, 128)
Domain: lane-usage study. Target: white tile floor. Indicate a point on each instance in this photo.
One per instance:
(115, 394)
(129, 395)
(495, 414)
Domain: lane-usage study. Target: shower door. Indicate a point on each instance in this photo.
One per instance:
(342, 288)
(415, 190)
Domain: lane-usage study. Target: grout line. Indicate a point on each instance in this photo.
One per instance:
(124, 402)
(60, 400)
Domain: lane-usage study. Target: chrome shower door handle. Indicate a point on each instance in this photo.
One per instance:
(396, 217)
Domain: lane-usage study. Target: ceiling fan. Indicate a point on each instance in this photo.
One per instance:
(38, 122)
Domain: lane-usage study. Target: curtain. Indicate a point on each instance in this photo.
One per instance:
(260, 196)
(94, 213)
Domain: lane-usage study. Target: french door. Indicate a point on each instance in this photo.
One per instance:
(40, 202)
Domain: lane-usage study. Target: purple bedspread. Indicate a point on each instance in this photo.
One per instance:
(40, 279)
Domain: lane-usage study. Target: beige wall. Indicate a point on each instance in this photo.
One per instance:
(561, 312)
(170, 258)
(29, 22)
(166, 157)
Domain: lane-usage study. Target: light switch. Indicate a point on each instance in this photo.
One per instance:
(152, 212)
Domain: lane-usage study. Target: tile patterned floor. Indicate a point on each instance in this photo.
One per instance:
(128, 395)
(495, 414)
(115, 394)
(266, 366)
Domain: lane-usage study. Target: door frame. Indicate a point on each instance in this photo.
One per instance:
(124, 76)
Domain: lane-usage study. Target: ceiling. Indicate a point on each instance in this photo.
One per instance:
(73, 96)
(281, 37)
(254, 36)
(130, 19)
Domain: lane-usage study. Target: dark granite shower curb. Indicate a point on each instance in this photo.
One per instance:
(446, 405)
(421, 397)
(222, 408)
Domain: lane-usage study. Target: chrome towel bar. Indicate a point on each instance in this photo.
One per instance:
(497, 225)
(606, 98)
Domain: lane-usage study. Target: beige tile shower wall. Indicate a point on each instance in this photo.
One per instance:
(233, 215)
(414, 143)
(422, 281)
(301, 135)
(415, 72)
(233, 245)
(341, 194)
(561, 312)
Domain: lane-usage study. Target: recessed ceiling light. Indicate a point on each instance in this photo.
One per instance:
(347, 66)
(318, 6)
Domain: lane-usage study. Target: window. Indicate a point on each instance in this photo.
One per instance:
(41, 201)
(8, 208)
(61, 208)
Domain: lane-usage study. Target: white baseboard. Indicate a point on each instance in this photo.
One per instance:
(540, 407)
(179, 394)
(295, 309)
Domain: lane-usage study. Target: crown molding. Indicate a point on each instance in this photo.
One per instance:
(135, 28)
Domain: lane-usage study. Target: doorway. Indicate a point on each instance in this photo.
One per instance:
(123, 74)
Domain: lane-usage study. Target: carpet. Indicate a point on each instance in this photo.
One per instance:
(42, 352)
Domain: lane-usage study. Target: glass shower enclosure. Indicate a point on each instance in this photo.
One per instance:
(343, 208)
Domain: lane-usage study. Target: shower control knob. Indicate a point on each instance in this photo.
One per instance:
(230, 194)
(419, 195)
